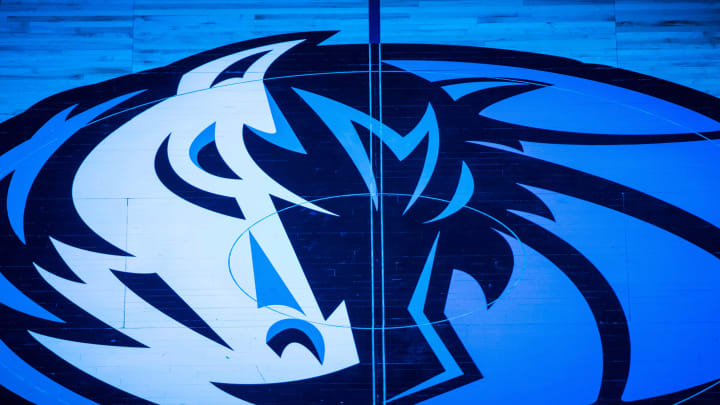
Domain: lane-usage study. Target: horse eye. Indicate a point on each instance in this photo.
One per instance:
(204, 153)
(178, 186)
(209, 159)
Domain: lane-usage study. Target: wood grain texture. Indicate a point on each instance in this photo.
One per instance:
(47, 47)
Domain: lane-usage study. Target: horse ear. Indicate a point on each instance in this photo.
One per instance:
(259, 60)
(561, 102)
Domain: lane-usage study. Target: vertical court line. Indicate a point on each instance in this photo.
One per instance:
(372, 230)
(373, 37)
(382, 224)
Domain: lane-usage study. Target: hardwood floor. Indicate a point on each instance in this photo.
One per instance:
(48, 47)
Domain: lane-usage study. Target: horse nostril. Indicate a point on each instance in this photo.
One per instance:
(287, 331)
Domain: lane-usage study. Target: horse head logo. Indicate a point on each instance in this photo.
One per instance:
(248, 224)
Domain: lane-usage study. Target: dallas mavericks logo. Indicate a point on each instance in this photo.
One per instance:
(251, 225)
